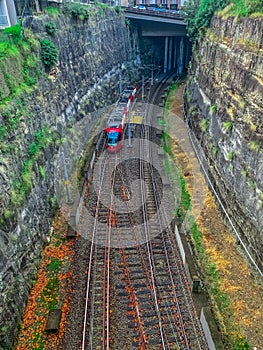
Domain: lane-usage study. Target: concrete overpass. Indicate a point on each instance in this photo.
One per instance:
(170, 29)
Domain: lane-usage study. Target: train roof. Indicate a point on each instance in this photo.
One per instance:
(126, 94)
(114, 121)
(129, 88)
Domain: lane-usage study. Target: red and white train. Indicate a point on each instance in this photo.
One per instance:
(114, 130)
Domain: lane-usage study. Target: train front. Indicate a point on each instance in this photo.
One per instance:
(114, 139)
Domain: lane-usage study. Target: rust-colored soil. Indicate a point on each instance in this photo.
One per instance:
(236, 280)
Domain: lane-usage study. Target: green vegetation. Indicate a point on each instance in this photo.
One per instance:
(244, 8)
(52, 11)
(228, 125)
(49, 53)
(230, 155)
(22, 185)
(204, 123)
(49, 295)
(42, 172)
(118, 9)
(213, 108)
(19, 62)
(86, 11)
(15, 32)
(219, 298)
(244, 173)
(54, 265)
(77, 10)
(50, 28)
(198, 13)
(254, 145)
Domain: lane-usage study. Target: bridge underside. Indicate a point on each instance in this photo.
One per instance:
(165, 43)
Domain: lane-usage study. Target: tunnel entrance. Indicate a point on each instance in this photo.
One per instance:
(168, 53)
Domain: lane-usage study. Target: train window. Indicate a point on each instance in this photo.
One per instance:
(113, 138)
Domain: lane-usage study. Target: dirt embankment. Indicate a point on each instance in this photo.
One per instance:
(235, 278)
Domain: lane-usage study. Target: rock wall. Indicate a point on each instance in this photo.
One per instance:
(92, 53)
(224, 102)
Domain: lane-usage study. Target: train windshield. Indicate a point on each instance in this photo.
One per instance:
(113, 138)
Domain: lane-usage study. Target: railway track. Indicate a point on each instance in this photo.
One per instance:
(137, 294)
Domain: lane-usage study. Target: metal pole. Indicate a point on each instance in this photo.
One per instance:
(120, 85)
(143, 88)
(152, 76)
(165, 54)
(66, 180)
(129, 127)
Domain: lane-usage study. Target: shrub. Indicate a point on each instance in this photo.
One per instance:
(198, 14)
(15, 32)
(3, 132)
(50, 28)
(77, 10)
(33, 149)
(49, 53)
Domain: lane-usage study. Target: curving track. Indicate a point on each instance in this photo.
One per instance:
(137, 294)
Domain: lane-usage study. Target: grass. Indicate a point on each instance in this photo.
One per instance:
(19, 61)
(52, 11)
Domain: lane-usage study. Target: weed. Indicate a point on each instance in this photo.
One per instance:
(228, 125)
(42, 172)
(118, 9)
(204, 123)
(253, 127)
(54, 265)
(241, 344)
(213, 109)
(25, 48)
(77, 10)
(53, 201)
(197, 236)
(33, 149)
(51, 287)
(230, 155)
(244, 173)
(254, 145)
(3, 131)
(52, 11)
(214, 150)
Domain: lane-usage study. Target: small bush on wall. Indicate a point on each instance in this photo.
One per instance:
(50, 28)
(49, 53)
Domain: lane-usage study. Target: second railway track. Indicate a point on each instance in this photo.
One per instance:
(137, 293)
